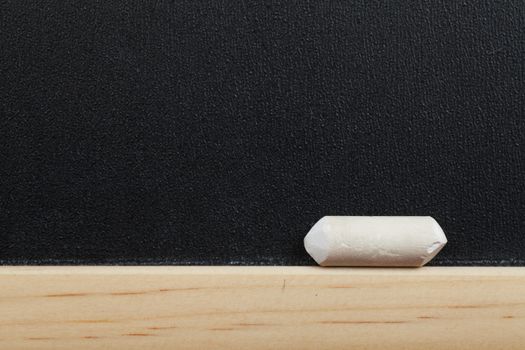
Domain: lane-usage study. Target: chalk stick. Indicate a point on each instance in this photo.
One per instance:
(410, 241)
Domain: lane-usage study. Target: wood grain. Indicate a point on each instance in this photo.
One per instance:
(261, 308)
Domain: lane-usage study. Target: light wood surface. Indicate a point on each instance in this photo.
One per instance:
(261, 308)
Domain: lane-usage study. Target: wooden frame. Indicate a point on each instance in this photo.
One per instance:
(261, 308)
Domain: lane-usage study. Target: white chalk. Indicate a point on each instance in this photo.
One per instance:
(374, 240)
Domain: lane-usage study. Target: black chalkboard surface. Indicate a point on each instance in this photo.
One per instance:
(219, 132)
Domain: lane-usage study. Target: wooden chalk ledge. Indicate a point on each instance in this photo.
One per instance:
(261, 308)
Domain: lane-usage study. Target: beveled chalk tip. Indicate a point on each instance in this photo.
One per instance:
(400, 241)
(440, 240)
(317, 241)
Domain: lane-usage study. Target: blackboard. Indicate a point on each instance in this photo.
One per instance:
(219, 132)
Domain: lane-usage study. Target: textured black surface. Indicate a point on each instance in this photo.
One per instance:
(196, 132)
